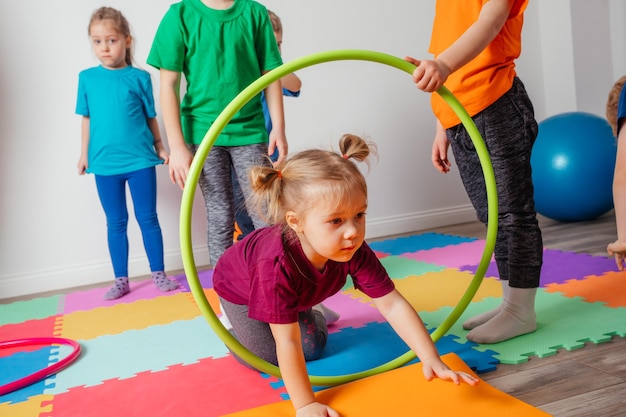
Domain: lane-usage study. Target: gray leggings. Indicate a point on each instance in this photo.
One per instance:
(509, 130)
(257, 337)
(216, 186)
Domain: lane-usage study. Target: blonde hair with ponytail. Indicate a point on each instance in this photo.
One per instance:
(300, 182)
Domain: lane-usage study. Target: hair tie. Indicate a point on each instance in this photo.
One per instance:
(345, 156)
(279, 173)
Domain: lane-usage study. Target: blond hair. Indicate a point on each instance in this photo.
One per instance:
(277, 25)
(308, 177)
(120, 23)
(613, 101)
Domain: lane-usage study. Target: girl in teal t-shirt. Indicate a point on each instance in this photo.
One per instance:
(121, 144)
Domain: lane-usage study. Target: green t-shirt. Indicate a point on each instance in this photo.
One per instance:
(220, 52)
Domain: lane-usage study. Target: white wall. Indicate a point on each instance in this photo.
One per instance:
(52, 229)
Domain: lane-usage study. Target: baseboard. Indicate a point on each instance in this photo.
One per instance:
(413, 222)
(100, 273)
(80, 276)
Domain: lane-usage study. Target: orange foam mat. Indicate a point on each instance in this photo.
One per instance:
(405, 392)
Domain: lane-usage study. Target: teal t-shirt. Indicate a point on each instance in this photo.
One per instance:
(220, 53)
(118, 104)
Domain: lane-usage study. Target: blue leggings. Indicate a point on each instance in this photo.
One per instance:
(112, 192)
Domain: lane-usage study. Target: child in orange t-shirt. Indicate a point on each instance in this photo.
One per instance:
(475, 44)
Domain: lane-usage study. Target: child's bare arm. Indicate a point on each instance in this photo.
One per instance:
(83, 161)
(432, 74)
(618, 248)
(180, 157)
(294, 373)
(278, 140)
(159, 147)
(291, 82)
(409, 326)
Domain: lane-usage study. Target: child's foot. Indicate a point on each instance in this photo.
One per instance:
(331, 316)
(483, 318)
(119, 289)
(503, 326)
(162, 282)
(479, 319)
(515, 318)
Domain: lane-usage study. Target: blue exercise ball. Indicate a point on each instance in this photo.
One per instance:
(572, 162)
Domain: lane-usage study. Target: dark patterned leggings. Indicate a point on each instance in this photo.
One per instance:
(509, 130)
(257, 337)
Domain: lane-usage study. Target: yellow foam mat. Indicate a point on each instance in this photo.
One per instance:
(404, 392)
(34, 406)
(127, 316)
(431, 291)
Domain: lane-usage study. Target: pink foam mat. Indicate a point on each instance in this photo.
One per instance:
(453, 256)
(353, 312)
(93, 298)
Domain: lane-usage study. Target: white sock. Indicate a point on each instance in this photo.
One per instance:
(224, 319)
(516, 317)
(482, 318)
(331, 316)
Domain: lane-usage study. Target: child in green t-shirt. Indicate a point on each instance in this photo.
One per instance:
(220, 47)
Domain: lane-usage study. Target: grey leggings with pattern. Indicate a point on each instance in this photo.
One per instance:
(215, 182)
(257, 337)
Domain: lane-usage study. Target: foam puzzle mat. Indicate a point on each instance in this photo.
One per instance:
(401, 393)
(152, 353)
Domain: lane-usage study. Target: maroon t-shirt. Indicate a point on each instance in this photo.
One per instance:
(273, 277)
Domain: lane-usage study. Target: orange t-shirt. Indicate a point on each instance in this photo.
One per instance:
(483, 80)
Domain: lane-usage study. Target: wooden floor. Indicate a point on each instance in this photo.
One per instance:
(588, 382)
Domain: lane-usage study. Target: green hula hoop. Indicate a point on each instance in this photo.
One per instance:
(211, 136)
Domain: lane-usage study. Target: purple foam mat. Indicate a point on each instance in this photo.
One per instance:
(205, 277)
(560, 267)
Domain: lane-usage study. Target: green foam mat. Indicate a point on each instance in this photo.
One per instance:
(563, 323)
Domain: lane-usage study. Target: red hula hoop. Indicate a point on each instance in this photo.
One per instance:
(39, 375)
